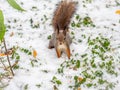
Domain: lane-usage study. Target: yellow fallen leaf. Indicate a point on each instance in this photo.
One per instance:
(80, 79)
(79, 88)
(117, 12)
(2, 54)
(34, 53)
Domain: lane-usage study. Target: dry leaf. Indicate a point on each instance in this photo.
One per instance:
(117, 12)
(75, 68)
(9, 52)
(2, 54)
(79, 88)
(55, 88)
(12, 33)
(34, 53)
(80, 79)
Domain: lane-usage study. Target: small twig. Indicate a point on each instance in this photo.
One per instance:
(8, 58)
(13, 65)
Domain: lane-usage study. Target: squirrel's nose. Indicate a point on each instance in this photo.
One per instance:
(60, 43)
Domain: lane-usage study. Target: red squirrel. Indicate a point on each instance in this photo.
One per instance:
(61, 39)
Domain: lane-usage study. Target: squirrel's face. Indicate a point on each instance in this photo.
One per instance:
(61, 38)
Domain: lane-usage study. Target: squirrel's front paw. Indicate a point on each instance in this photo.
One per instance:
(63, 48)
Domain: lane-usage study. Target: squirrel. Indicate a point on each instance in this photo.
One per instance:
(61, 39)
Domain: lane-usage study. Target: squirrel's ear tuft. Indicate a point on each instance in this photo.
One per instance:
(64, 27)
(57, 28)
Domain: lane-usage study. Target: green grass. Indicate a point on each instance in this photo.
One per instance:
(93, 66)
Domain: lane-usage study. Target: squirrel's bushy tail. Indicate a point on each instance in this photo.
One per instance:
(63, 14)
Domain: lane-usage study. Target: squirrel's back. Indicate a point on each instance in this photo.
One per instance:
(63, 14)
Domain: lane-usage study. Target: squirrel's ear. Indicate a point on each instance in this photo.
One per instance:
(65, 27)
(57, 28)
(64, 32)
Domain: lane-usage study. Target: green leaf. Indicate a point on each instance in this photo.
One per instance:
(76, 78)
(78, 64)
(78, 25)
(77, 17)
(26, 87)
(84, 55)
(15, 5)
(73, 24)
(58, 82)
(32, 64)
(54, 78)
(17, 57)
(89, 85)
(2, 26)
(49, 37)
(99, 73)
(38, 85)
(101, 81)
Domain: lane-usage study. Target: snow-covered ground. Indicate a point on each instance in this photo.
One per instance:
(30, 30)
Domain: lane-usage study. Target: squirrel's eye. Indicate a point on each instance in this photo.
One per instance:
(64, 38)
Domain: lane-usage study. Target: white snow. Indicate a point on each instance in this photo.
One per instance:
(36, 38)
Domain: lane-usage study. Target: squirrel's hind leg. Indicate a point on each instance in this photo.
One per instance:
(51, 44)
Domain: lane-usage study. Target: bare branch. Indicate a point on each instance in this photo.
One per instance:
(8, 58)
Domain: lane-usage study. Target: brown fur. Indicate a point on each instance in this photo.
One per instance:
(63, 14)
(61, 39)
